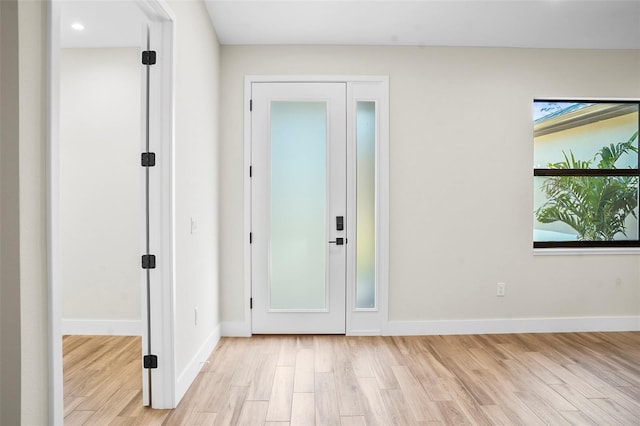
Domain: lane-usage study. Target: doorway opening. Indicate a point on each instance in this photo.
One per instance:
(103, 205)
(317, 197)
(101, 218)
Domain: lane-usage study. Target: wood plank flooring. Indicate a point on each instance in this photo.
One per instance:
(517, 379)
(103, 382)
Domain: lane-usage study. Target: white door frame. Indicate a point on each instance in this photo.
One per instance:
(368, 88)
(161, 198)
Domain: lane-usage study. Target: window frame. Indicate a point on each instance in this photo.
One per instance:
(550, 172)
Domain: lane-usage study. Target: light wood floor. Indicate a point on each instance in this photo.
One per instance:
(526, 379)
(103, 382)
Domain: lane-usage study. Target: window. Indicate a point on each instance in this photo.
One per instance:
(585, 173)
(365, 205)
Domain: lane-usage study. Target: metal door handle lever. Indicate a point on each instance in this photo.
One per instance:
(338, 241)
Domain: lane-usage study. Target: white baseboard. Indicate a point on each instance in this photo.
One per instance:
(101, 327)
(517, 325)
(479, 326)
(236, 329)
(188, 375)
(363, 332)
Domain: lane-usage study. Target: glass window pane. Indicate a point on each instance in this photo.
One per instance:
(365, 204)
(585, 208)
(298, 205)
(585, 131)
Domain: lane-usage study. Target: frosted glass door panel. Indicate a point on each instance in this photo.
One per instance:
(298, 237)
(365, 205)
(298, 188)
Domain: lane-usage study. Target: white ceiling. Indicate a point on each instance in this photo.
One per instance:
(108, 23)
(601, 24)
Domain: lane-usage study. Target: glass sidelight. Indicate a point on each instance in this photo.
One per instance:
(365, 204)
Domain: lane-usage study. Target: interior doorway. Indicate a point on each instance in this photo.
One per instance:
(106, 210)
(101, 200)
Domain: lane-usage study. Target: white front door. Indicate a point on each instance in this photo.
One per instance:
(298, 204)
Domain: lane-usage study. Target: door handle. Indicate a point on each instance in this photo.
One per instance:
(339, 241)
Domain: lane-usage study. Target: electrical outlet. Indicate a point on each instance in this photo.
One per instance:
(195, 316)
(501, 289)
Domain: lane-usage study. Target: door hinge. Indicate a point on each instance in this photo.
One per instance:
(251, 303)
(148, 159)
(150, 361)
(148, 261)
(148, 57)
(250, 104)
(250, 171)
(250, 237)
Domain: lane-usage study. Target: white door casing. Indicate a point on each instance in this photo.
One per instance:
(374, 90)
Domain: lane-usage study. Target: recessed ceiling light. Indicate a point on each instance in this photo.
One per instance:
(77, 26)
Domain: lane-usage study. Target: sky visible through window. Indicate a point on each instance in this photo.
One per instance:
(542, 109)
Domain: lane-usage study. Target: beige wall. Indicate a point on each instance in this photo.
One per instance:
(24, 49)
(461, 155)
(10, 355)
(24, 369)
(101, 199)
(196, 179)
(33, 247)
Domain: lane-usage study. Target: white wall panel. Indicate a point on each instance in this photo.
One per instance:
(101, 200)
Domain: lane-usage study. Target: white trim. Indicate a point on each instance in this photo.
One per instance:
(188, 375)
(583, 99)
(156, 10)
(517, 325)
(375, 332)
(56, 377)
(367, 321)
(249, 79)
(236, 328)
(247, 211)
(583, 251)
(383, 205)
(487, 326)
(162, 128)
(91, 327)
